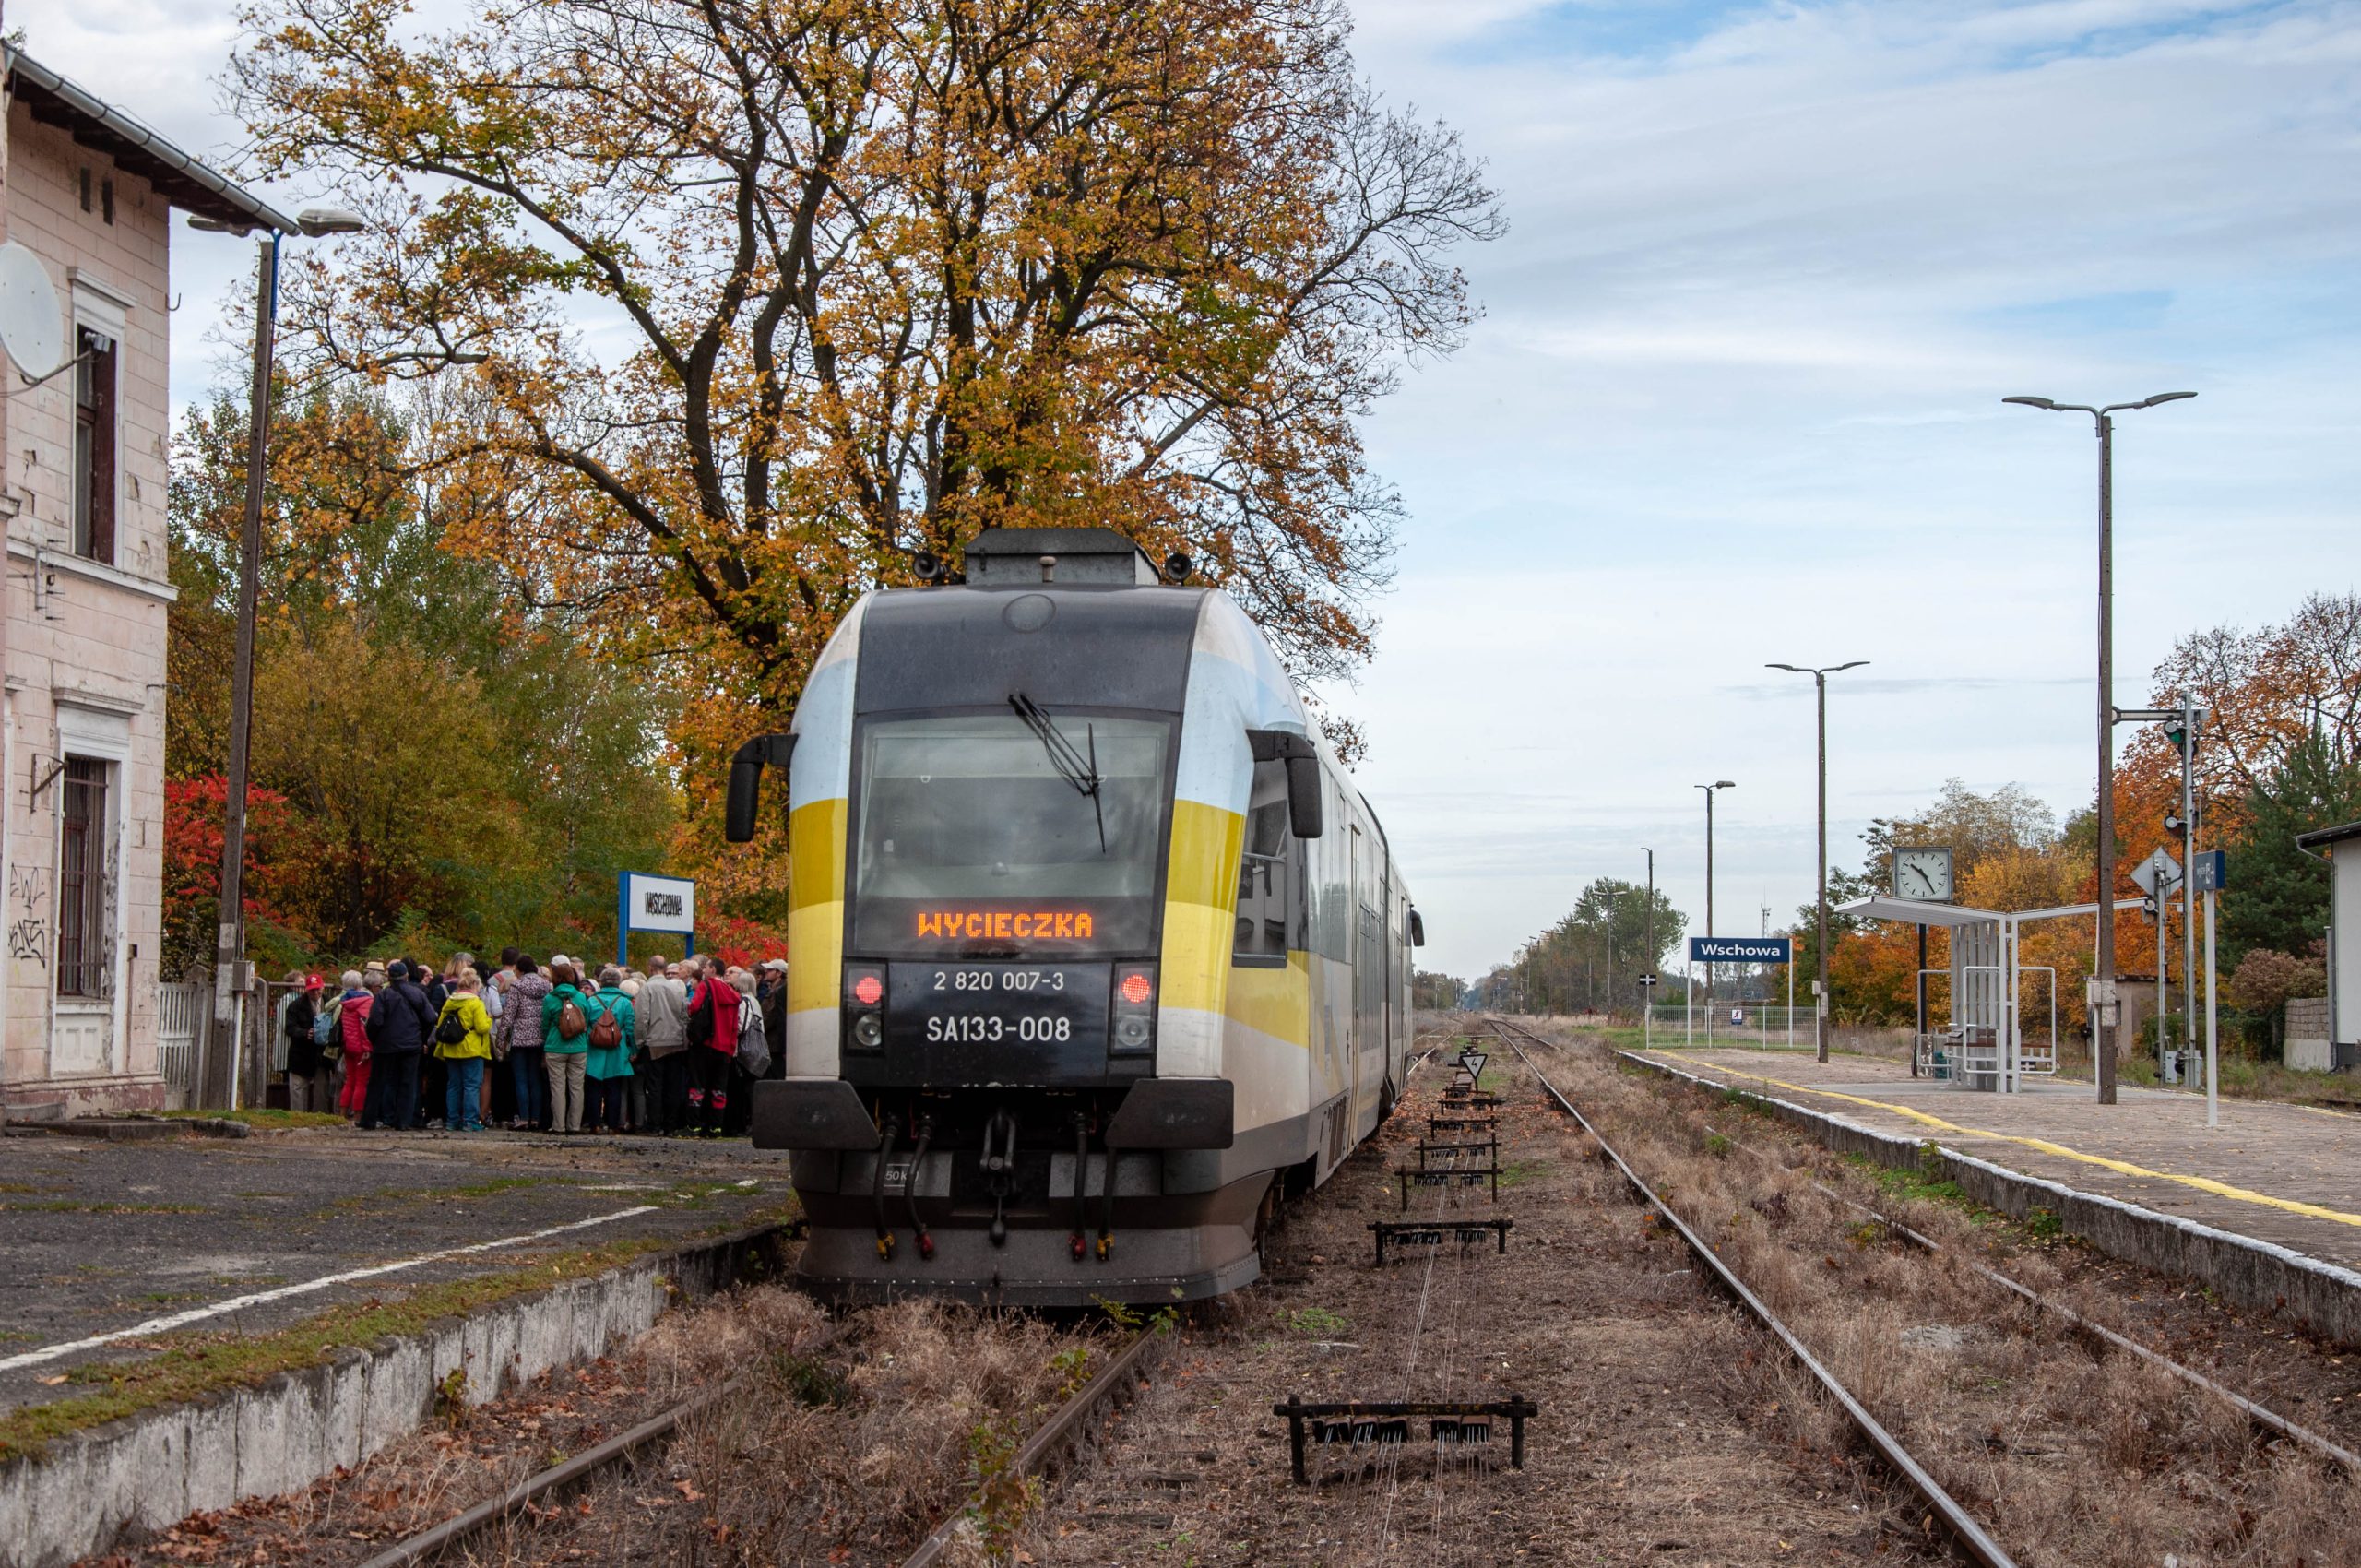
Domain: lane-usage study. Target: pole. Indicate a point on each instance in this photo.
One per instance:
(1922, 999)
(2214, 1027)
(1709, 914)
(1648, 993)
(1820, 988)
(2164, 972)
(2102, 965)
(2188, 877)
(229, 943)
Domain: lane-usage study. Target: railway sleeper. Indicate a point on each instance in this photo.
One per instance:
(1359, 1423)
(1419, 1234)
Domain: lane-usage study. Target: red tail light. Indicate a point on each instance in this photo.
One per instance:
(869, 991)
(1137, 988)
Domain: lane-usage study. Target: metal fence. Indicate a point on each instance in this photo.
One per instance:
(1760, 1023)
(181, 1012)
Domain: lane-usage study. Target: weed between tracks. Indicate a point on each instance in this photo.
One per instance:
(848, 1439)
(1662, 1435)
(2068, 1455)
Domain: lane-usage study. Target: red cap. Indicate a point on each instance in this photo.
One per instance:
(313, 982)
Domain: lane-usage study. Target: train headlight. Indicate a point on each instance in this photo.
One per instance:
(1131, 1010)
(865, 1005)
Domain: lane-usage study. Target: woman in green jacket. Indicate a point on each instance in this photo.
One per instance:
(565, 1042)
(464, 1015)
(609, 1065)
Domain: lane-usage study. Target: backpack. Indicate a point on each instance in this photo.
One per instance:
(571, 1023)
(754, 1047)
(606, 1031)
(453, 1028)
(324, 1023)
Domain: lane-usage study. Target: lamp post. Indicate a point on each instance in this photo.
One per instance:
(2102, 998)
(1648, 968)
(229, 945)
(1709, 789)
(1820, 938)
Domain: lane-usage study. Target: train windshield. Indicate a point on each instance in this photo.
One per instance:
(1031, 832)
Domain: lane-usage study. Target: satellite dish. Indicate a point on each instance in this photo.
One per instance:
(33, 321)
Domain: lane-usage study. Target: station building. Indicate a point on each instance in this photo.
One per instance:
(2341, 846)
(89, 191)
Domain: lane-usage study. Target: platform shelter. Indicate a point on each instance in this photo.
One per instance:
(1985, 1044)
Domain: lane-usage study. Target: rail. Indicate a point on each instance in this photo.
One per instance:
(1051, 1435)
(1946, 1509)
(1031, 1458)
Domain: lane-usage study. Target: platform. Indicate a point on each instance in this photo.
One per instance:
(2288, 1175)
(105, 1245)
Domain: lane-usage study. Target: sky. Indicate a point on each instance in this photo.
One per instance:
(1735, 399)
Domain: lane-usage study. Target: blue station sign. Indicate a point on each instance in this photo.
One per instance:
(1740, 949)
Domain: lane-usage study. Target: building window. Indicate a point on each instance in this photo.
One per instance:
(94, 445)
(83, 959)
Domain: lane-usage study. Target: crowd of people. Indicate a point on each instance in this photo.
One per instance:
(559, 1047)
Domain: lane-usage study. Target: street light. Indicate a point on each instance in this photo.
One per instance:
(1648, 974)
(1819, 986)
(2103, 1003)
(1709, 789)
(229, 943)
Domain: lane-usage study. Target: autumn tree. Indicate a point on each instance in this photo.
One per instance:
(2278, 896)
(2267, 979)
(2266, 692)
(456, 761)
(771, 294)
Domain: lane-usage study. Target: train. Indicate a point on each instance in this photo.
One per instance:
(1095, 952)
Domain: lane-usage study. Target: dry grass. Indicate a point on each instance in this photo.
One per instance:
(2067, 1455)
(846, 1439)
(857, 1442)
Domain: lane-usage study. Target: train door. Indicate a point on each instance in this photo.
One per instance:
(1387, 1021)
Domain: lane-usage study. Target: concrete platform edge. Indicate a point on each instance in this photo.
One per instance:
(149, 1471)
(2257, 1274)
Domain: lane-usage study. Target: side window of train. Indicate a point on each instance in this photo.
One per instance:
(1269, 875)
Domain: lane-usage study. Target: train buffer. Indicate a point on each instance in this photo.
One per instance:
(1420, 1233)
(1489, 1149)
(1462, 1124)
(1359, 1423)
(1470, 1176)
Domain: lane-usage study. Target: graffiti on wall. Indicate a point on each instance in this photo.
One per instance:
(28, 923)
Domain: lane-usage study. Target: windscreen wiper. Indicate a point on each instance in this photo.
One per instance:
(1074, 767)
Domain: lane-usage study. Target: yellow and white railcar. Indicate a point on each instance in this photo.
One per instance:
(1095, 949)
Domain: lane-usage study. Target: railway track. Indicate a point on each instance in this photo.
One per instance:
(1042, 1451)
(2280, 1458)
(1653, 1426)
(1961, 1527)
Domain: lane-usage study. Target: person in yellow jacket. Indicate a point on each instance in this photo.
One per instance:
(463, 1038)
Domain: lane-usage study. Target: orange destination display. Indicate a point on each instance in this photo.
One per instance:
(1006, 925)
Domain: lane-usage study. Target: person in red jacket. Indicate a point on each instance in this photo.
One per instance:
(352, 1018)
(713, 1047)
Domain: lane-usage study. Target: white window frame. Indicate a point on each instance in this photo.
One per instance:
(103, 308)
(96, 734)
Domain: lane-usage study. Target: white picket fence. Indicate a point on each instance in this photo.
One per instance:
(180, 1022)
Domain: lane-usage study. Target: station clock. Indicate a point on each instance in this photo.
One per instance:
(1923, 872)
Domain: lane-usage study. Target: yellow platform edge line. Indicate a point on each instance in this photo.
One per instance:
(2043, 1145)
